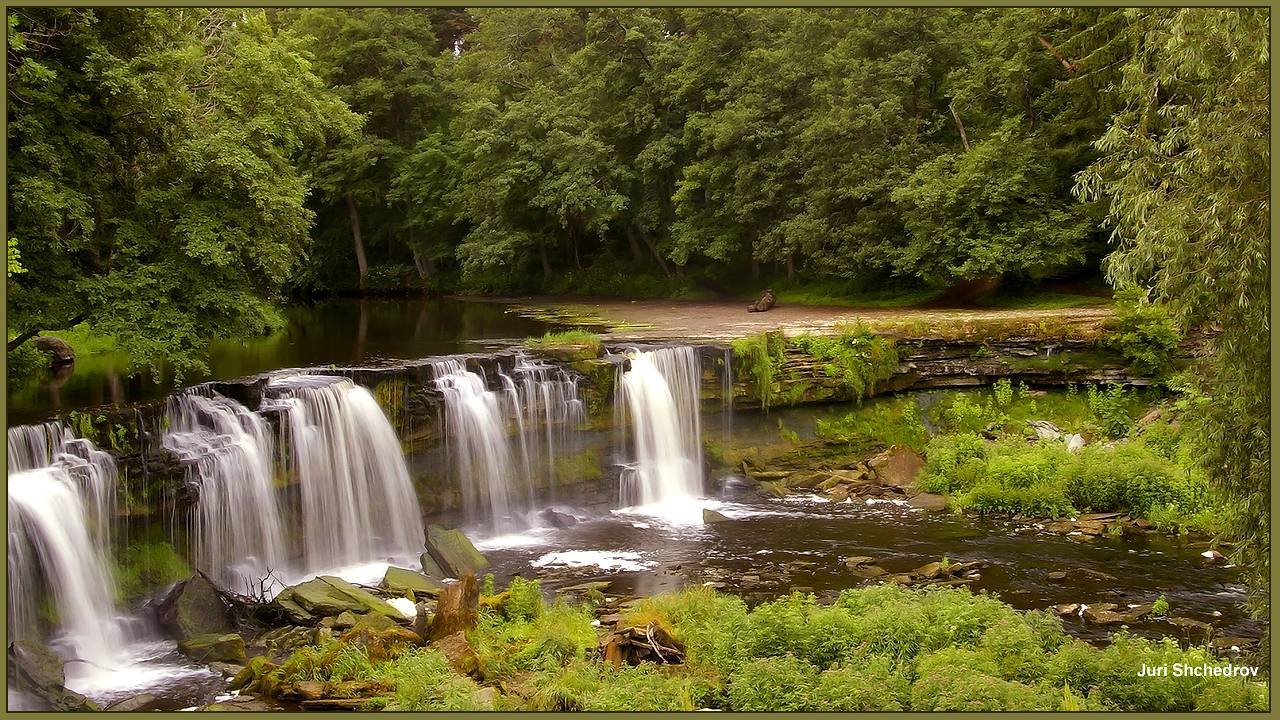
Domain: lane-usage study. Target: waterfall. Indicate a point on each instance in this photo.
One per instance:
(228, 452)
(726, 396)
(60, 506)
(498, 441)
(358, 503)
(659, 397)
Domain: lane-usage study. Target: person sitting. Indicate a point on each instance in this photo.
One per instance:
(764, 303)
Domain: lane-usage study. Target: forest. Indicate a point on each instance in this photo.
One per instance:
(182, 177)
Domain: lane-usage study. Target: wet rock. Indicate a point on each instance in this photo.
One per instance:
(857, 560)
(137, 703)
(556, 519)
(1102, 614)
(461, 656)
(399, 580)
(1150, 417)
(227, 647)
(329, 595)
(1213, 557)
(772, 489)
(1056, 576)
(1099, 516)
(1143, 524)
(1075, 441)
(431, 568)
(341, 621)
(831, 482)
(1066, 609)
(37, 669)
(867, 572)
(1135, 613)
(453, 552)
(928, 501)
(839, 493)
(1232, 644)
(898, 466)
(194, 608)
(226, 669)
(710, 516)
(241, 703)
(457, 608)
(1187, 623)
(597, 585)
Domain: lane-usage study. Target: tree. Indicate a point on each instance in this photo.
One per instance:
(1185, 166)
(154, 188)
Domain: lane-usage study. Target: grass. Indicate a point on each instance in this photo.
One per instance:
(843, 294)
(1044, 300)
(578, 336)
(877, 648)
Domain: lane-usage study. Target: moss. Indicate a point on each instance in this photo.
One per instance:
(759, 358)
(855, 357)
(578, 468)
(143, 567)
(568, 345)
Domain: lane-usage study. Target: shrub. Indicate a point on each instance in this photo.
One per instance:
(855, 356)
(1129, 476)
(944, 455)
(584, 338)
(527, 635)
(880, 423)
(706, 622)
(952, 683)
(869, 683)
(1110, 407)
(646, 687)
(1143, 332)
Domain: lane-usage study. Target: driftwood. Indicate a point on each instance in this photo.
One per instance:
(647, 643)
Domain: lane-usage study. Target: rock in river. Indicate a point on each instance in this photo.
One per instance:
(194, 608)
(453, 552)
(227, 647)
(399, 580)
(38, 669)
(711, 516)
(329, 595)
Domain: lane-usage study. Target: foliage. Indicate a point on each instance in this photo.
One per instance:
(577, 337)
(759, 357)
(425, 681)
(154, 157)
(854, 355)
(1143, 332)
(879, 423)
(1185, 169)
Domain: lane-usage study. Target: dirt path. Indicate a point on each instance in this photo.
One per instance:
(721, 320)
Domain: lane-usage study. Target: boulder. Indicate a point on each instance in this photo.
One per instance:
(1045, 430)
(59, 351)
(431, 568)
(194, 608)
(329, 595)
(453, 552)
(857, 560)
(457, 608)
(710, 516)
(898, 466)
(37, 669)
(928, 502)
(137, 703)
(485, 698)
(284, 640)
(375, 622)
(461, 656)
(1102, 614)
(400, 579)
(556, 519)
(226, 647)
(239, 703)
(867, 572)
(1075, 441)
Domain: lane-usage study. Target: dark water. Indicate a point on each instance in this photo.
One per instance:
(772, 547)
(338, 331)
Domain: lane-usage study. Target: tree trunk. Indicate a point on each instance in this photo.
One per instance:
(542, 255)
(422, 264)
(636, 253)
(791, 268)
(755, 269)
(653, 250)
(964, 139)
(362, 264)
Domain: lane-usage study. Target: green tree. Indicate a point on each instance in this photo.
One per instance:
(1186, 168)
(154, 189)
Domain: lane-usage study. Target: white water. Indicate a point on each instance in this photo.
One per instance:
(659, 399)
(498, 441)
(50, 540)
(358, 503)
(228, 450)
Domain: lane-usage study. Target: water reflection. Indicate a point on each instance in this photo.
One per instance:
(337, 331)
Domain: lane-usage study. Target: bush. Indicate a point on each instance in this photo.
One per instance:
(26, 363)
(595, 687)
(779, 684)
(952, 683)
(869, 683)
(880, 423)
(1131, 477)
(706, 622)
(759, 357)
(944, 455)
(1110, 407)
(855, 356)
(1143, 332)
(526, 635)
(585, 338)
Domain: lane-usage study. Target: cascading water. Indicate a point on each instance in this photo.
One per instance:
(494, 467)
(659, 398)
(61, 498)
(229, 454)
(358, 503)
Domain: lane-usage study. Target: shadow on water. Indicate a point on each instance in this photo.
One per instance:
(340, 331)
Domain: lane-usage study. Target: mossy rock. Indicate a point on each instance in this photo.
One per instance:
(329, 595)
(453, 552)
(194, 608)
(400, 579)
(226, 647)
(568, 351)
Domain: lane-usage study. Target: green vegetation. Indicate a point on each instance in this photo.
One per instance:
(854, 355)
(1143, 332)
(759, 358)
(584, 339)
(879, 423)
(145, 567)
(877, 648)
